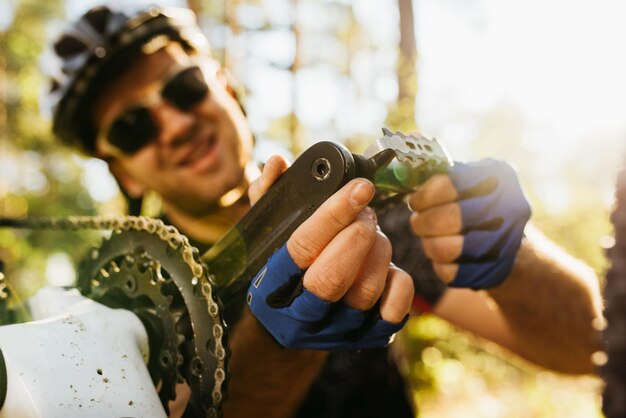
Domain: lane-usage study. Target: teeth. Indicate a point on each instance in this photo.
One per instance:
(197, 153)
(203, 148)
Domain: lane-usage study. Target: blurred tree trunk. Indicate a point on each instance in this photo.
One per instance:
(235, 30)
(295, 130)
(403, 115)
(408, 52)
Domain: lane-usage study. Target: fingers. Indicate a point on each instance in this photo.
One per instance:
(347, 258)
(370, 283)
(446, 271)
(377, 279)
(397, 297)
(439, 229)
(273, 169)
(440, 220)
(339, 211)
(444, 249)
(435, 191)
(337, 266)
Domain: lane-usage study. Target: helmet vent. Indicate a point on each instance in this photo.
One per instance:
(98, 18)
(68, 46)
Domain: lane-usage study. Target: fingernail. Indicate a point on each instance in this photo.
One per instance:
(369, 212)
(361, 193)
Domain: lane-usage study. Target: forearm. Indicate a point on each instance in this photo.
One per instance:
(266, 378)
(550, 304)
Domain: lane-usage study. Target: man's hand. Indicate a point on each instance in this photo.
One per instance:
(332, 284)
(471, 222)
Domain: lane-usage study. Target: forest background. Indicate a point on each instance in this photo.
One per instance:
(540, 84)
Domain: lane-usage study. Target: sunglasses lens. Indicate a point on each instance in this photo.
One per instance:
(186, 89)
(136, 128)
(133, 130)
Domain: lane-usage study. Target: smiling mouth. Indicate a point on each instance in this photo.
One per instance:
(202, 149)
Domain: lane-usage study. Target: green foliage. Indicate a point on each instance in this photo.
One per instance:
(457, 375)
(21, 46)
(42, 179)
(584, 231)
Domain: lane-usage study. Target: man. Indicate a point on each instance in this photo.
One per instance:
(131, 94)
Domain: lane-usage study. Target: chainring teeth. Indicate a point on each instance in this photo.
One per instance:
(178, 280)
(131, 280)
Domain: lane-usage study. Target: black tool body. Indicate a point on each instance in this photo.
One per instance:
(315, 176)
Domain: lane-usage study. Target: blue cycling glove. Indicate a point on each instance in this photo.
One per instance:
(297, 318)
(494, 212)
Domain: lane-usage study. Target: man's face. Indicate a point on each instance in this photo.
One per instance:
(196, 155)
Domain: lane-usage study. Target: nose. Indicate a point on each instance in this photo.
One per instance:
(175, 124)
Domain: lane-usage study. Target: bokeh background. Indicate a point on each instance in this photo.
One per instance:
(538, 83)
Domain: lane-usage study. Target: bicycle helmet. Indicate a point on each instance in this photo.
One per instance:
(96, 49)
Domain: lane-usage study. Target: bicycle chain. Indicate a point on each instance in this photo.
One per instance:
(104, 267)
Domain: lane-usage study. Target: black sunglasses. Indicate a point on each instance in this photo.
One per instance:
(135, 128)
